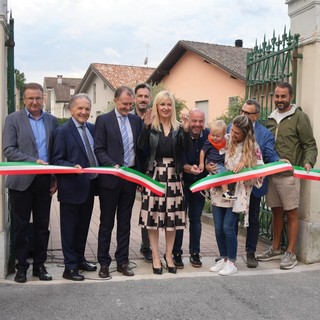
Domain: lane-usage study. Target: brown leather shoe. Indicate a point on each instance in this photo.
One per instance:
(104, 271)
(125, 269)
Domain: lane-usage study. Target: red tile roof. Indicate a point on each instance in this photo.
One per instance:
(119, 75)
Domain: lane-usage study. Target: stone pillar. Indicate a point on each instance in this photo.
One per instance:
(305, 20)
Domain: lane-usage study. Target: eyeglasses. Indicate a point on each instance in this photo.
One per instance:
(32, 99)
(246, 113)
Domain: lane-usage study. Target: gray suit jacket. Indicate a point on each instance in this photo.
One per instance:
(19, 144)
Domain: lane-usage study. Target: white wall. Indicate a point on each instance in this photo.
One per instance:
(104, 96)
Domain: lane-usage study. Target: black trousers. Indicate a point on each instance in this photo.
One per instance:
(35, 199)
(117, 201)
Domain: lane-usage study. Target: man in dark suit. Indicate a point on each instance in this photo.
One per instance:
(73, 146)
(115, 141)
(142, 100)
(27, 137)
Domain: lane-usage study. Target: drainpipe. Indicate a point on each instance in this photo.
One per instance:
(11, 108)
(11, 79)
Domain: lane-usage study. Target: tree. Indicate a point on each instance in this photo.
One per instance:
(20, 82)
(180, 104)
(155, 89)
(233, 110)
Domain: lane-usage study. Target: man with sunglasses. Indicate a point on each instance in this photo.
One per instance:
(265, 139)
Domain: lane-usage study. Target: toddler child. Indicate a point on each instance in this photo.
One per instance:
(214, 150)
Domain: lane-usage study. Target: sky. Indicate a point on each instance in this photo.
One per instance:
(63, 37)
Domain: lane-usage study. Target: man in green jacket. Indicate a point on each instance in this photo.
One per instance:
(295, 142)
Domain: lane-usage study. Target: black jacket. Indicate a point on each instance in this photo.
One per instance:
(148, 142)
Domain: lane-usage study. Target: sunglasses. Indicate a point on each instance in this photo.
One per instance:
(246, 113)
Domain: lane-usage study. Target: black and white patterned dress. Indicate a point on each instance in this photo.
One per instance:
(167, 211)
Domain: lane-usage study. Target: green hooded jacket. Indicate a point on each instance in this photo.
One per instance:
(294, 137)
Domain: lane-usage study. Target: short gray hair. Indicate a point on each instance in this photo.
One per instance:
(78, 96)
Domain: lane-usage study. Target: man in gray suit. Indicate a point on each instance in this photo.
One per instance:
(27, 137)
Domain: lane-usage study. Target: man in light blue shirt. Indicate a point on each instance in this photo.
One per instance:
(27, 137)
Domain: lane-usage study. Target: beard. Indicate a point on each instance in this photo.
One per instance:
(283, 106)
(142, 109)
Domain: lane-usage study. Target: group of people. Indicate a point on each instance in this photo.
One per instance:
(177, 154)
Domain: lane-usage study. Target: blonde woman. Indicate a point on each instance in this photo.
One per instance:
(243, 152)
(163, 139)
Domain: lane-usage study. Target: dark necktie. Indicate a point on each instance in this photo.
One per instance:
(90, 154)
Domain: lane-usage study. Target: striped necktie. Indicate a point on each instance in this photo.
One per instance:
(125, 140)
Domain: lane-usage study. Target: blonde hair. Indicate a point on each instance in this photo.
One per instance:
(249, 149)
(161, 97)
(218, 125)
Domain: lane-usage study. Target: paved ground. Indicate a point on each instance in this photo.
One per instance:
(209, 252)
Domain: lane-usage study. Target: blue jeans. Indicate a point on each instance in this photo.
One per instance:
(225, 223)
(194, 207)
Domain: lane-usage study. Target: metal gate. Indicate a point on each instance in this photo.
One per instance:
(269, 63)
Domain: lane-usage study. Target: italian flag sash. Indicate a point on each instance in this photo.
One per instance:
(245, 174)
(14, 168)
(300, 172)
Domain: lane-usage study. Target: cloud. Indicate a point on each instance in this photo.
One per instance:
(111, 53)
(62, 36)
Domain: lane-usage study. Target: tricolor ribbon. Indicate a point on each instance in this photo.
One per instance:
(300, 172)
(10, 168)
(245, 174)
(132, 176)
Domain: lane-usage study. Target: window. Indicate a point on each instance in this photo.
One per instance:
(94, 93)
(203, 106)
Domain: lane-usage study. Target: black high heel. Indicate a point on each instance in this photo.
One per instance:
(157, 270)
(170, 269)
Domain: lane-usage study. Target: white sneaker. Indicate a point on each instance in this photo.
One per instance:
(288, 261)
(229, 269)
(219, 266)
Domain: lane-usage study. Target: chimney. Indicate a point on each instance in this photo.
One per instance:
(72, 90)
(59, 79)
(238, 43)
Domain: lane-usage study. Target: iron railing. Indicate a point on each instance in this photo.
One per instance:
(269, 63)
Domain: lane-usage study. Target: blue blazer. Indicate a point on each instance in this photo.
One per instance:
(68, 150)
(265, 140)
(108, 144)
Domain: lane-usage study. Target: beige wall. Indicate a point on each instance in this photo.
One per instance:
(104, 96)
(305, 20)
(192, 79)
(308, 81)
(57, 109)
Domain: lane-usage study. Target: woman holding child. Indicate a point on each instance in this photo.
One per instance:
(242, 152)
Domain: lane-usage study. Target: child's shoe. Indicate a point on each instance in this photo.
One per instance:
(228, 195)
